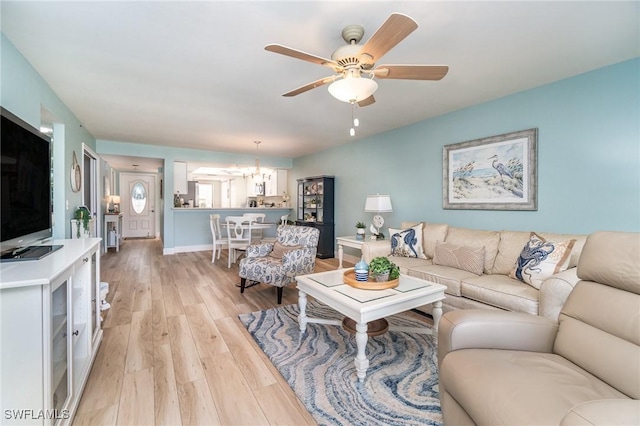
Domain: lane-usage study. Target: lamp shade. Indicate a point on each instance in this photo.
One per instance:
(115, 199)
(378, 203)
(353, 89)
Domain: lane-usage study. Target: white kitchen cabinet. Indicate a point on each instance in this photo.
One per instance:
(276, 183)
(50, 332)
(255, 185)
(180, 177)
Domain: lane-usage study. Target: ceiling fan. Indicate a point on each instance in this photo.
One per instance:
(354, 63)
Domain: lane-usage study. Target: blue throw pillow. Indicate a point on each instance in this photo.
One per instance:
(407, 242)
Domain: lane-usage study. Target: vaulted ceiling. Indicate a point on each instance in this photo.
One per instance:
(196, 75)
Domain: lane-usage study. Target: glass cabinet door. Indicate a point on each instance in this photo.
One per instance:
(60, 346)
(311, 200)
(95, 296)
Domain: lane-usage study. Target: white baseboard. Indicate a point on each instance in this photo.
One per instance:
(205, 247)
(186, 249)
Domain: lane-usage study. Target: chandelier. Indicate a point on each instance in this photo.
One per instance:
(257, 169)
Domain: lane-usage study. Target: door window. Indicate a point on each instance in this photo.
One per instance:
(138, 197)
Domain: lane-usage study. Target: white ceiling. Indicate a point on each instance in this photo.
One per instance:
(195, 74)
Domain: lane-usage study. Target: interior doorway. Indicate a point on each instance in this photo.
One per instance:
(90, 188)
(138, 205)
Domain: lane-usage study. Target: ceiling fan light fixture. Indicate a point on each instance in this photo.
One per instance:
(353, 89)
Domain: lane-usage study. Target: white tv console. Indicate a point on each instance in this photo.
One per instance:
(49, 332)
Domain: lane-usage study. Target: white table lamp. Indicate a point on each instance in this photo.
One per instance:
(115, 199)
(378, 204)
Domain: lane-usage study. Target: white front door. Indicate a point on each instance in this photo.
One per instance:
(138, 205)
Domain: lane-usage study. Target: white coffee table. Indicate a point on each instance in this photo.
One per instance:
(364, 306)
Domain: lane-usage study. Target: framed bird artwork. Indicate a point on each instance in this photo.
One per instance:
(492, 173)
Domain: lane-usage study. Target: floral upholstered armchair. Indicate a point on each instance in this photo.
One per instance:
(277, 263)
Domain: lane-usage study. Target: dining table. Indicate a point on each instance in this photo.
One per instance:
(254, 225)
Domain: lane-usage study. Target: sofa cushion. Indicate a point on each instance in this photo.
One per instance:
(600, 331)
(445, 275)
(407, 242)
(477, 238)
(467, 258)
(431, 234)
(541, 259)
(408, 263)
(509, 248)
(611, 258)
(502, 292)
(518, 387)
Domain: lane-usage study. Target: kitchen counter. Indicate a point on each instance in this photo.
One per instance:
(245, 209)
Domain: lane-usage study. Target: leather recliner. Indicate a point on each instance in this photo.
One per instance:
(507, 368)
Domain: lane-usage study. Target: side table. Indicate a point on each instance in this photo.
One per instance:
(115, 220)
(349, 241)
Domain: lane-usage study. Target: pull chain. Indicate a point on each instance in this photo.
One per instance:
(354, 121)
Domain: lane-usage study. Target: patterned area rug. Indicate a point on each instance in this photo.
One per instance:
(401, 387)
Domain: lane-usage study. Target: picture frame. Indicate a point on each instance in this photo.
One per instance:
(492, 173)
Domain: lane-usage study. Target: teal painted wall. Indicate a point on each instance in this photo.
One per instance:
(588, 159)
(25, 93)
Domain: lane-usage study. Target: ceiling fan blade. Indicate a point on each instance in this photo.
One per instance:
(309, 86)
(368, 101)
(411, 72)
(299, 54)
(392, 32)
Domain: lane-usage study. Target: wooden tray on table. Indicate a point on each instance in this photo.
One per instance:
(350, 279)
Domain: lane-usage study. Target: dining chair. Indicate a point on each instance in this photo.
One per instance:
(219, 243)
(256, 233)
(283, 221)
(238, 236)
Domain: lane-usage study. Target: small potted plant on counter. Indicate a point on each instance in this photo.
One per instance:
(382, 269)
(360, 230)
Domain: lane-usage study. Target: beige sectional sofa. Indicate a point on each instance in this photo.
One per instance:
(494, 288)
(506, 368)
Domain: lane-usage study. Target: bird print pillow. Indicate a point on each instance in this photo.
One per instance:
(540, 259)
(407, 242)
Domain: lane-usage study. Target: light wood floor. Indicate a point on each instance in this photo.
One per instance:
(174, 351)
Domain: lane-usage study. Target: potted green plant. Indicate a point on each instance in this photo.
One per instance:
(382, 269)
(360, 230)
(82, 215)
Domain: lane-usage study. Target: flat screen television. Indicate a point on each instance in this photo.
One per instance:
(25, 190)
